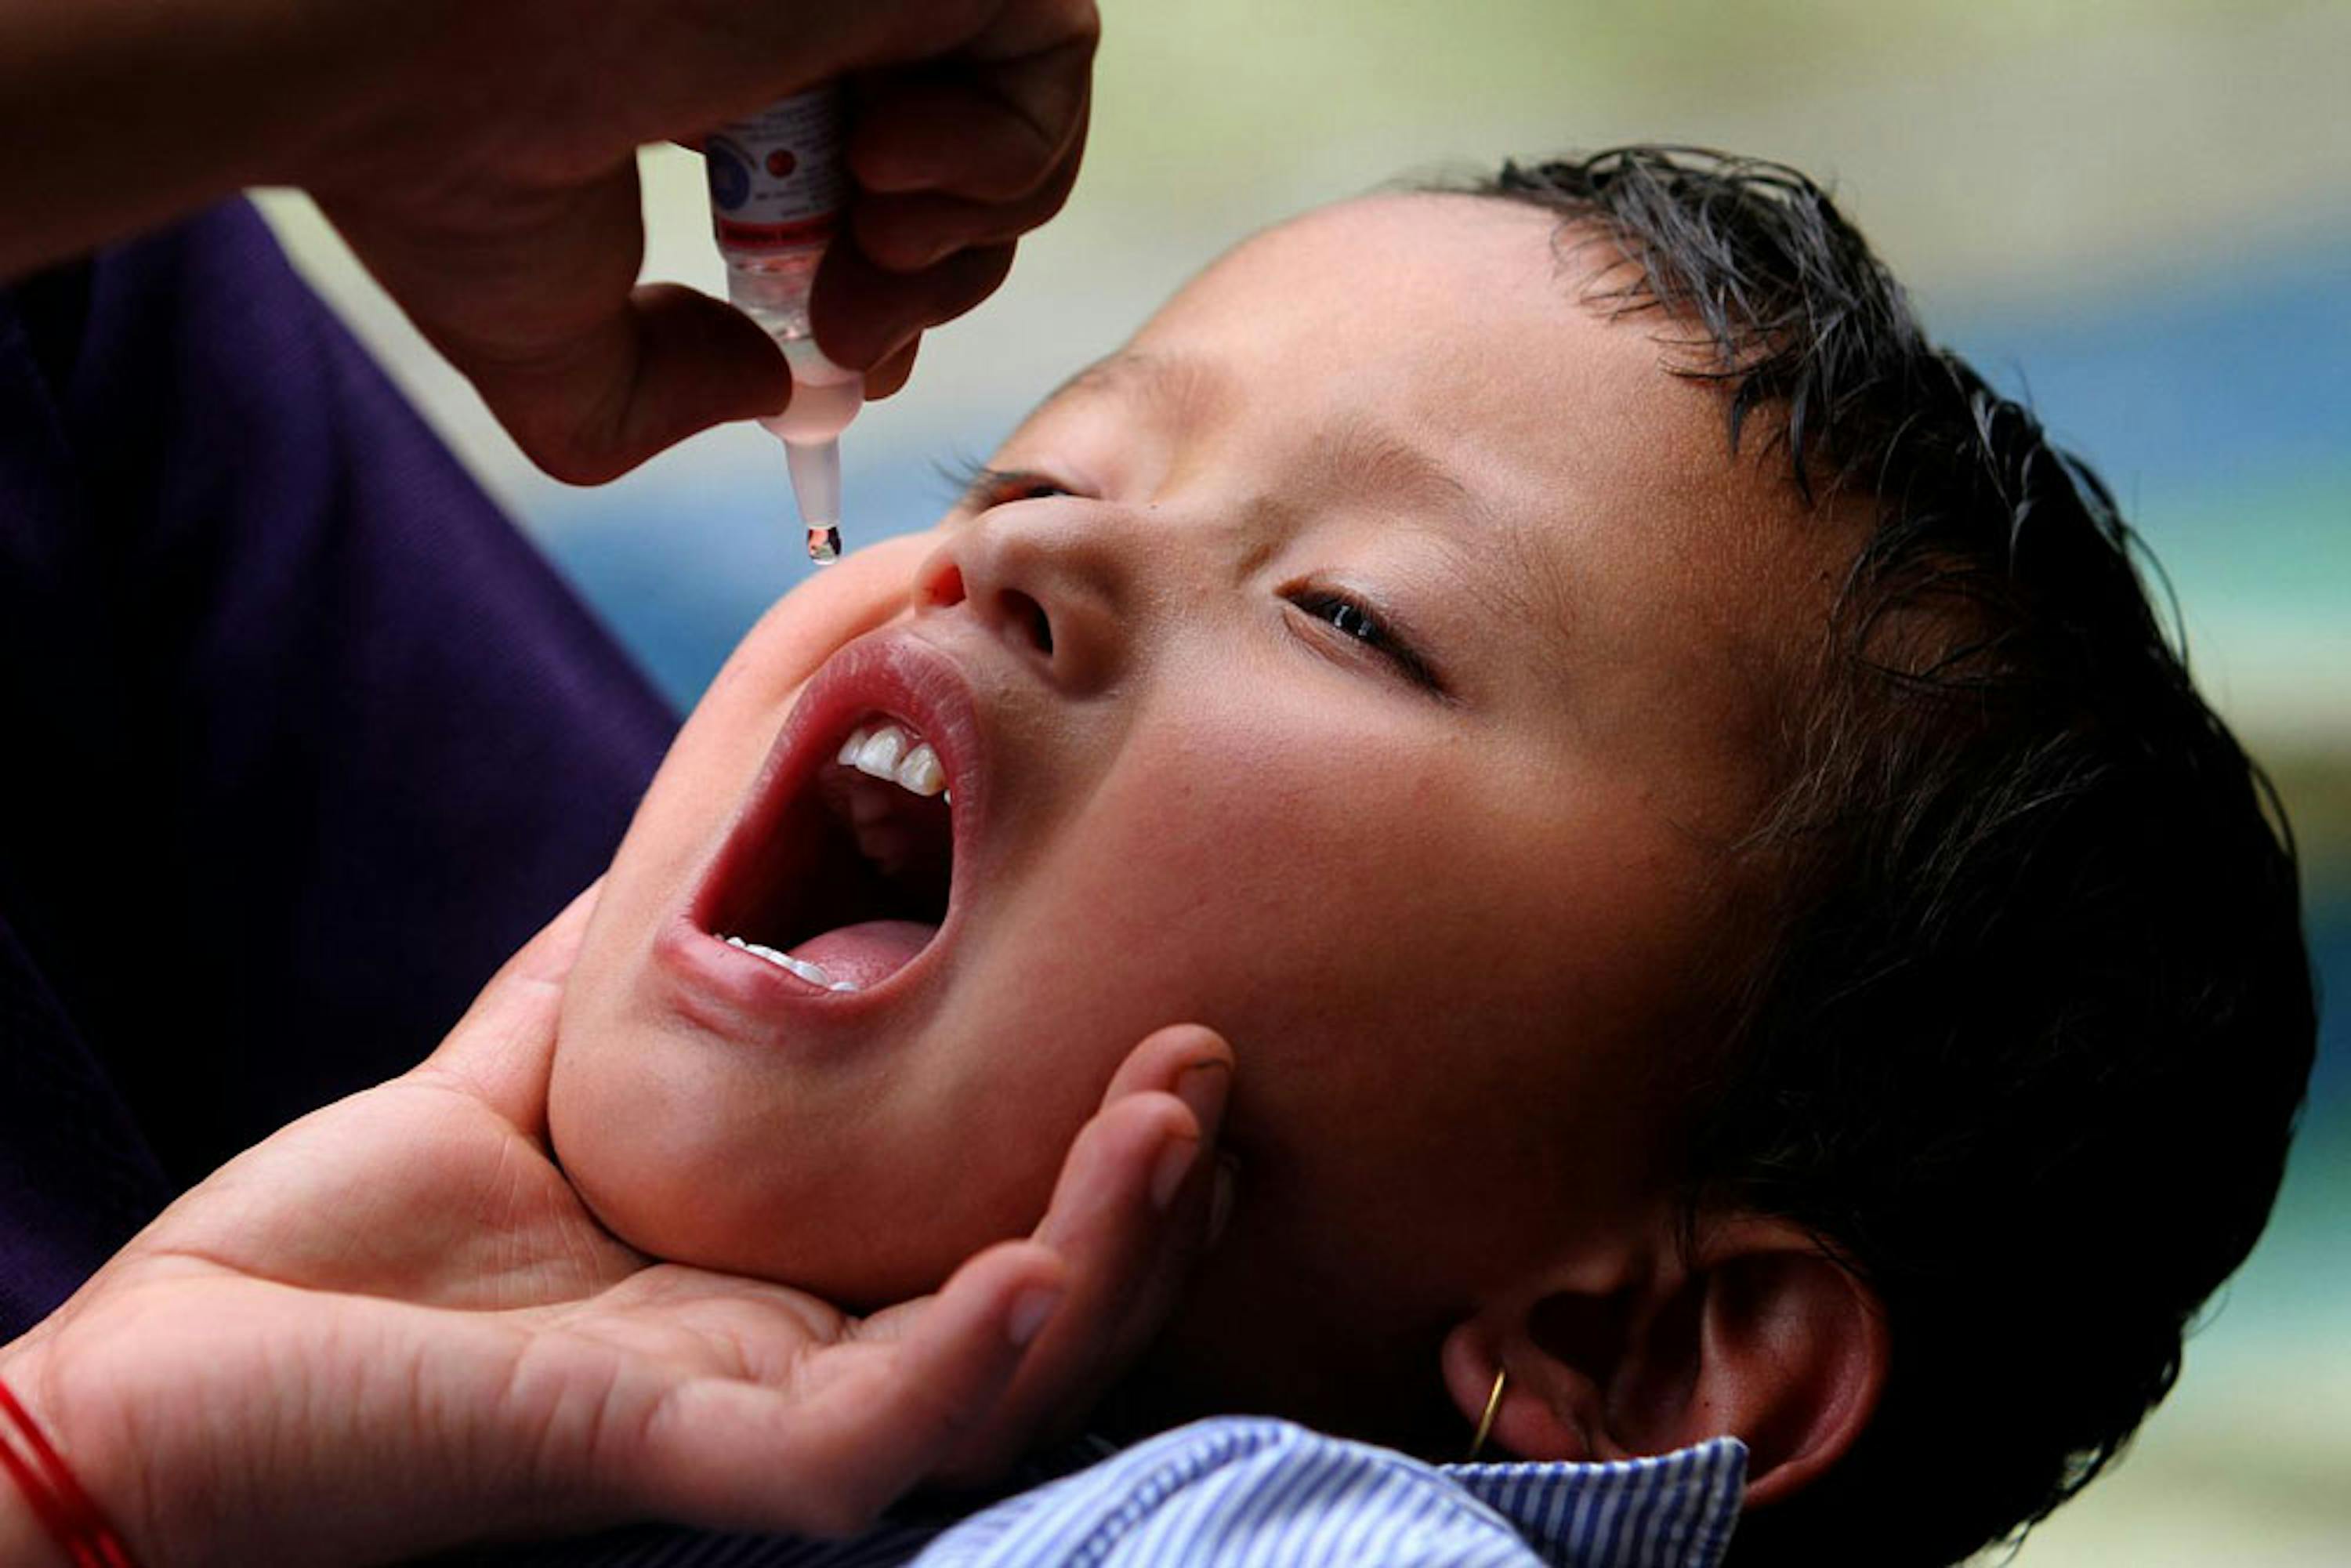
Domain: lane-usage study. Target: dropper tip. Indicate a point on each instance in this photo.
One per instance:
(816, 486)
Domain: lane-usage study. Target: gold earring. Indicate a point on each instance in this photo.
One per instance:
(1486, 1422)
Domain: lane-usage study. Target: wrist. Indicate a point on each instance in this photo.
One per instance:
(48, 1516)
(24, 1539)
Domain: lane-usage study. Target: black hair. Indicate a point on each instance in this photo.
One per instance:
(2026, 1040)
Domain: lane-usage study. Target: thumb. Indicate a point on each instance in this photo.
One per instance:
(503, 1049)
(531, 295)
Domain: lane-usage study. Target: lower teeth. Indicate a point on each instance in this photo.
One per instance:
(813, 973)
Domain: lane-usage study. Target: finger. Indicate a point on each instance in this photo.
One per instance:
(1038, 27)
(959, 135)
(533, 297)
(669, 362)
(1110, 1164)
(1162, 1060)
(863, 313)
(503, 1048)
(1129, 1215)
(885, 379)
(1128, 1259)
(908, 233)
(825, 1453)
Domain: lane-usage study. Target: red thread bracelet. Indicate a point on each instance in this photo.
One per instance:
(70, 1514)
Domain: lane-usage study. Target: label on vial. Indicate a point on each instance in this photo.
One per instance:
(776, 179)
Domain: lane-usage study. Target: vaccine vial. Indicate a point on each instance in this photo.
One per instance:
(777, 187)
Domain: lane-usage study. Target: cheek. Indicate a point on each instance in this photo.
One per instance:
(1431, 1021)
(1360, 864)
(1221, 865)
(1417, 950)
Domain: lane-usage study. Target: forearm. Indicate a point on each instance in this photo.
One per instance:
(124, 113)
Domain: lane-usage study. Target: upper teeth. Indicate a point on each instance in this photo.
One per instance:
(813, 973)
(887, 750)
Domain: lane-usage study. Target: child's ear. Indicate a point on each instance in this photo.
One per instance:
(1756, 1333)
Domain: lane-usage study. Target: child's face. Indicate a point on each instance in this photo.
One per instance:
(1460, 935)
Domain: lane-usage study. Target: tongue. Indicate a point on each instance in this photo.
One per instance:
(867, 953)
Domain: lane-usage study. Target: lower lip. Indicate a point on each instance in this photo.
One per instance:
(736, 993)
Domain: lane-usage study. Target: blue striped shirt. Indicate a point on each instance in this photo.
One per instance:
(1255, 1493)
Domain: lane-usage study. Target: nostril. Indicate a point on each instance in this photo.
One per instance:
(1027, 615)
(945, 590)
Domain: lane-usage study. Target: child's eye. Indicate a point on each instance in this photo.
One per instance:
(1354, 620)
(978, 486)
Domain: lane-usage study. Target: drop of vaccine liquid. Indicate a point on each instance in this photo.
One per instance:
(824, 545)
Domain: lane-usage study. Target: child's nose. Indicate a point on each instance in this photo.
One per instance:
(1051, 583)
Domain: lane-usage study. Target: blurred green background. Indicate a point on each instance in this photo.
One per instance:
(2140, 212)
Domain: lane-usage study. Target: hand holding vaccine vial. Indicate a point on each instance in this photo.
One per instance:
(776, 186)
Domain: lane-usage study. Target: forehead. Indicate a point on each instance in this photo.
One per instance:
(1447, 347)
(1452, 335)
(1458, 323)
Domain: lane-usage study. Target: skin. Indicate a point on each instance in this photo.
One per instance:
(1462, 941)
(394, 1326)
(480, 157)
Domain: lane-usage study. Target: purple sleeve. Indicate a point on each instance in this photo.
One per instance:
(300, 737)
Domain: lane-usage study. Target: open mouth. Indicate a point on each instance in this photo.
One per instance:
(843, 877)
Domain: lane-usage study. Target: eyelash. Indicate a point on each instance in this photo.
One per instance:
(978, 487)
(1357, 621)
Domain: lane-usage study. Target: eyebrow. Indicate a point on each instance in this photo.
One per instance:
(1363, 458)
(1182, 389)
(1371, 459)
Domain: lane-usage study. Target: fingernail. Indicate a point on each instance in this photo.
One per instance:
(1220, 1197)
(1030, 1312)
(1176, 1162)
(1203, 1086)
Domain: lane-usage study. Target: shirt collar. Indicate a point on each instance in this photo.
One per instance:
(1676, 1507)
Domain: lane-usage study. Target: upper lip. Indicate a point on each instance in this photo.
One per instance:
(889, 673)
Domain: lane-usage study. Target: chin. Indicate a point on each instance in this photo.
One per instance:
(690, 1203)
(687, 1157)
